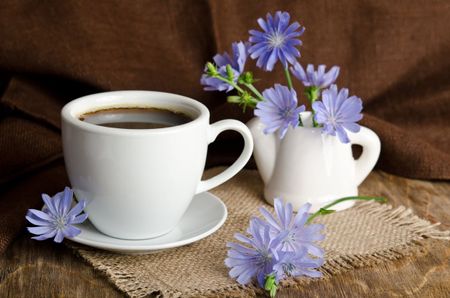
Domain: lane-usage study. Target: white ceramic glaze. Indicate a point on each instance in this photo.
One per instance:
(205, 215)
(307, 166)
(138, 183)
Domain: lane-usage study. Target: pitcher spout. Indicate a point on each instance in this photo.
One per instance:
(264, 150)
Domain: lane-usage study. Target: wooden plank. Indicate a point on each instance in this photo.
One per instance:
(43, 269)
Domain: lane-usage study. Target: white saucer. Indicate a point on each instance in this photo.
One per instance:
(205, 215)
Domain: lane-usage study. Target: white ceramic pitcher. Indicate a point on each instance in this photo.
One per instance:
(308, 166)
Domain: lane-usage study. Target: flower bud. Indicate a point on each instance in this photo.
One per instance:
(271, 285)
(212, 70)
(234, 99)
(246, 78)
(230, 72)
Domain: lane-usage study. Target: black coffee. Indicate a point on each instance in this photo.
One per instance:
(135, 118)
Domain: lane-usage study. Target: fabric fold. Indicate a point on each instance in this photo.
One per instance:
(67, 49)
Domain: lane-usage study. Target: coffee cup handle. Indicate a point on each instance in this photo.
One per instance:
(370, 153)
(214, 130)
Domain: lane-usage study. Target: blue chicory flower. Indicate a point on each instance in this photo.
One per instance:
(57, 217)
(337, 112)
(276, 248)
(319, 78)
(256, 258)
(236, 61)
(295, 264)
(279, 109)
(278, 41)
(298, 235)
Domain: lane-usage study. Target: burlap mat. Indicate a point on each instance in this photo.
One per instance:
(361, 236)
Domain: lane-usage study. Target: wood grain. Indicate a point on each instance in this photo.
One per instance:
(43, 269)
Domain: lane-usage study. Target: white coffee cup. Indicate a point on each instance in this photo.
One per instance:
(138, 183)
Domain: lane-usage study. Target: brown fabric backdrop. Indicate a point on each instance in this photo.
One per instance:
(393, 54)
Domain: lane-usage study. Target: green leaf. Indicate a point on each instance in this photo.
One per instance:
(326, 211)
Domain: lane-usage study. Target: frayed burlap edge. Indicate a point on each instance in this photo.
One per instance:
(124, 281)
(400, 216)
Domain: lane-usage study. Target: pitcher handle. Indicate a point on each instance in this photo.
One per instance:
(215, 130)
(370, 153)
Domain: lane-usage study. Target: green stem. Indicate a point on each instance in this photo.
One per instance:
(255, 91)
(314, 120)
(288, 77)
(229, 82)
(312, 93)
(320, 211)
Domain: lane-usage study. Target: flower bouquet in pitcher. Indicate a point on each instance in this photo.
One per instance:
(303, 156)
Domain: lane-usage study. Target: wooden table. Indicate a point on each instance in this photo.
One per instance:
(43, 269)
